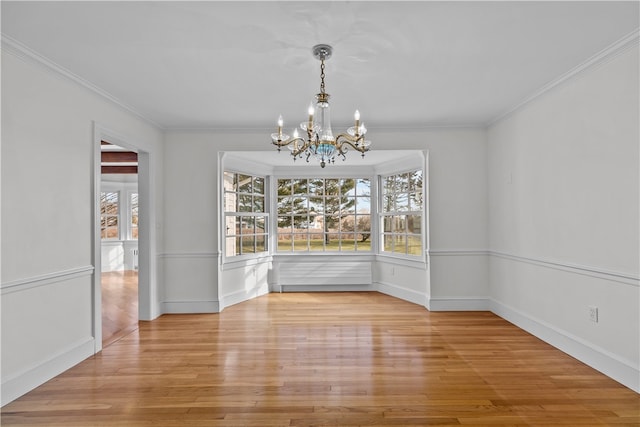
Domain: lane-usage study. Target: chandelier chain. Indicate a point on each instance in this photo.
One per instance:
(322, 76)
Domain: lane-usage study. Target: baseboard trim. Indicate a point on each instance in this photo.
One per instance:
(190, 307)
(403, 293)
(458, 304)
(322, 288)
(599, 359)
(25, 381)
(242, 296)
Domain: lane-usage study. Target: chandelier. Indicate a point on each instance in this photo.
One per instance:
(319, 141)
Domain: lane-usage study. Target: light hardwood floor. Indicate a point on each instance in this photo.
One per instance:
(339, 359)
(119, 305)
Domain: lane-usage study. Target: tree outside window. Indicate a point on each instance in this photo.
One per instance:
(324, 214)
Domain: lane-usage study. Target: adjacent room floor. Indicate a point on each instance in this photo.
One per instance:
(119, 305)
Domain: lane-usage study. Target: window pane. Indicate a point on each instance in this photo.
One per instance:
(134, 215)
(300, 205)
(261, 243)
(299, 186)
(316, 204)
(363, 187)
(388, 185)
(248, 244)
(285, 243)
(230, 226)
(300, 222)
(316, 242)
(109, 202)
(387, 203)
(387, 242)
(414, 245)
(414, 224)
(260, 222)
(284, 205)
(348, 187)
(258, 185)
(363, 245)
(285, 224)
(415, 201)
(416, 181)
(402, 202)
(348, 206)
(248, 226)
(331, 187)
(238, 245)
(258, 204)
(387, 224)
(244, 183)
(230, 246)
(348, 242)
(229, 181)
(316, 187)
(284, 187)
(230, 201)
(300, 242)
(400, 243)
(244, 203)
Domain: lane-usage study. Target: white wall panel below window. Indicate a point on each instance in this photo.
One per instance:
(325, 273)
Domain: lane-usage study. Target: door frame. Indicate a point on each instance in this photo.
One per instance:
(148, 306)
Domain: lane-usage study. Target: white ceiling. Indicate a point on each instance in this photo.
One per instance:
(235, 65)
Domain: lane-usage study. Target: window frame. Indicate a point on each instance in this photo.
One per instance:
(130, 215)
(237, 214)
(307, 251)
(105, 215)
(384, 214)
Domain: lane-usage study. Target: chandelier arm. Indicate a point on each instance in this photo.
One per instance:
(353, 142)
(300, 149)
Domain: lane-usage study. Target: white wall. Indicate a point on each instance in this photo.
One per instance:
(47, 218)
(564, 187)
(458, 215)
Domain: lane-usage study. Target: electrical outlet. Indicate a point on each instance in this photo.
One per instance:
(593, 313)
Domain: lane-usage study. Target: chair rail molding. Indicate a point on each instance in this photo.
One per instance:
(45, 279)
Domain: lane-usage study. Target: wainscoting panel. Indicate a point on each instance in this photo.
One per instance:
(46, 328)
(324, 273)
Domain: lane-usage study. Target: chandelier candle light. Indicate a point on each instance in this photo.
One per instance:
(319, 141)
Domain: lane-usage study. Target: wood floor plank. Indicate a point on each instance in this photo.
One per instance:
(342, 359)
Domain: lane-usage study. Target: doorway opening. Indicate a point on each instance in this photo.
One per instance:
(119, 215)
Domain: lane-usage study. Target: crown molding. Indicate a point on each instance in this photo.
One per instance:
(27, 54)
(607, 54)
